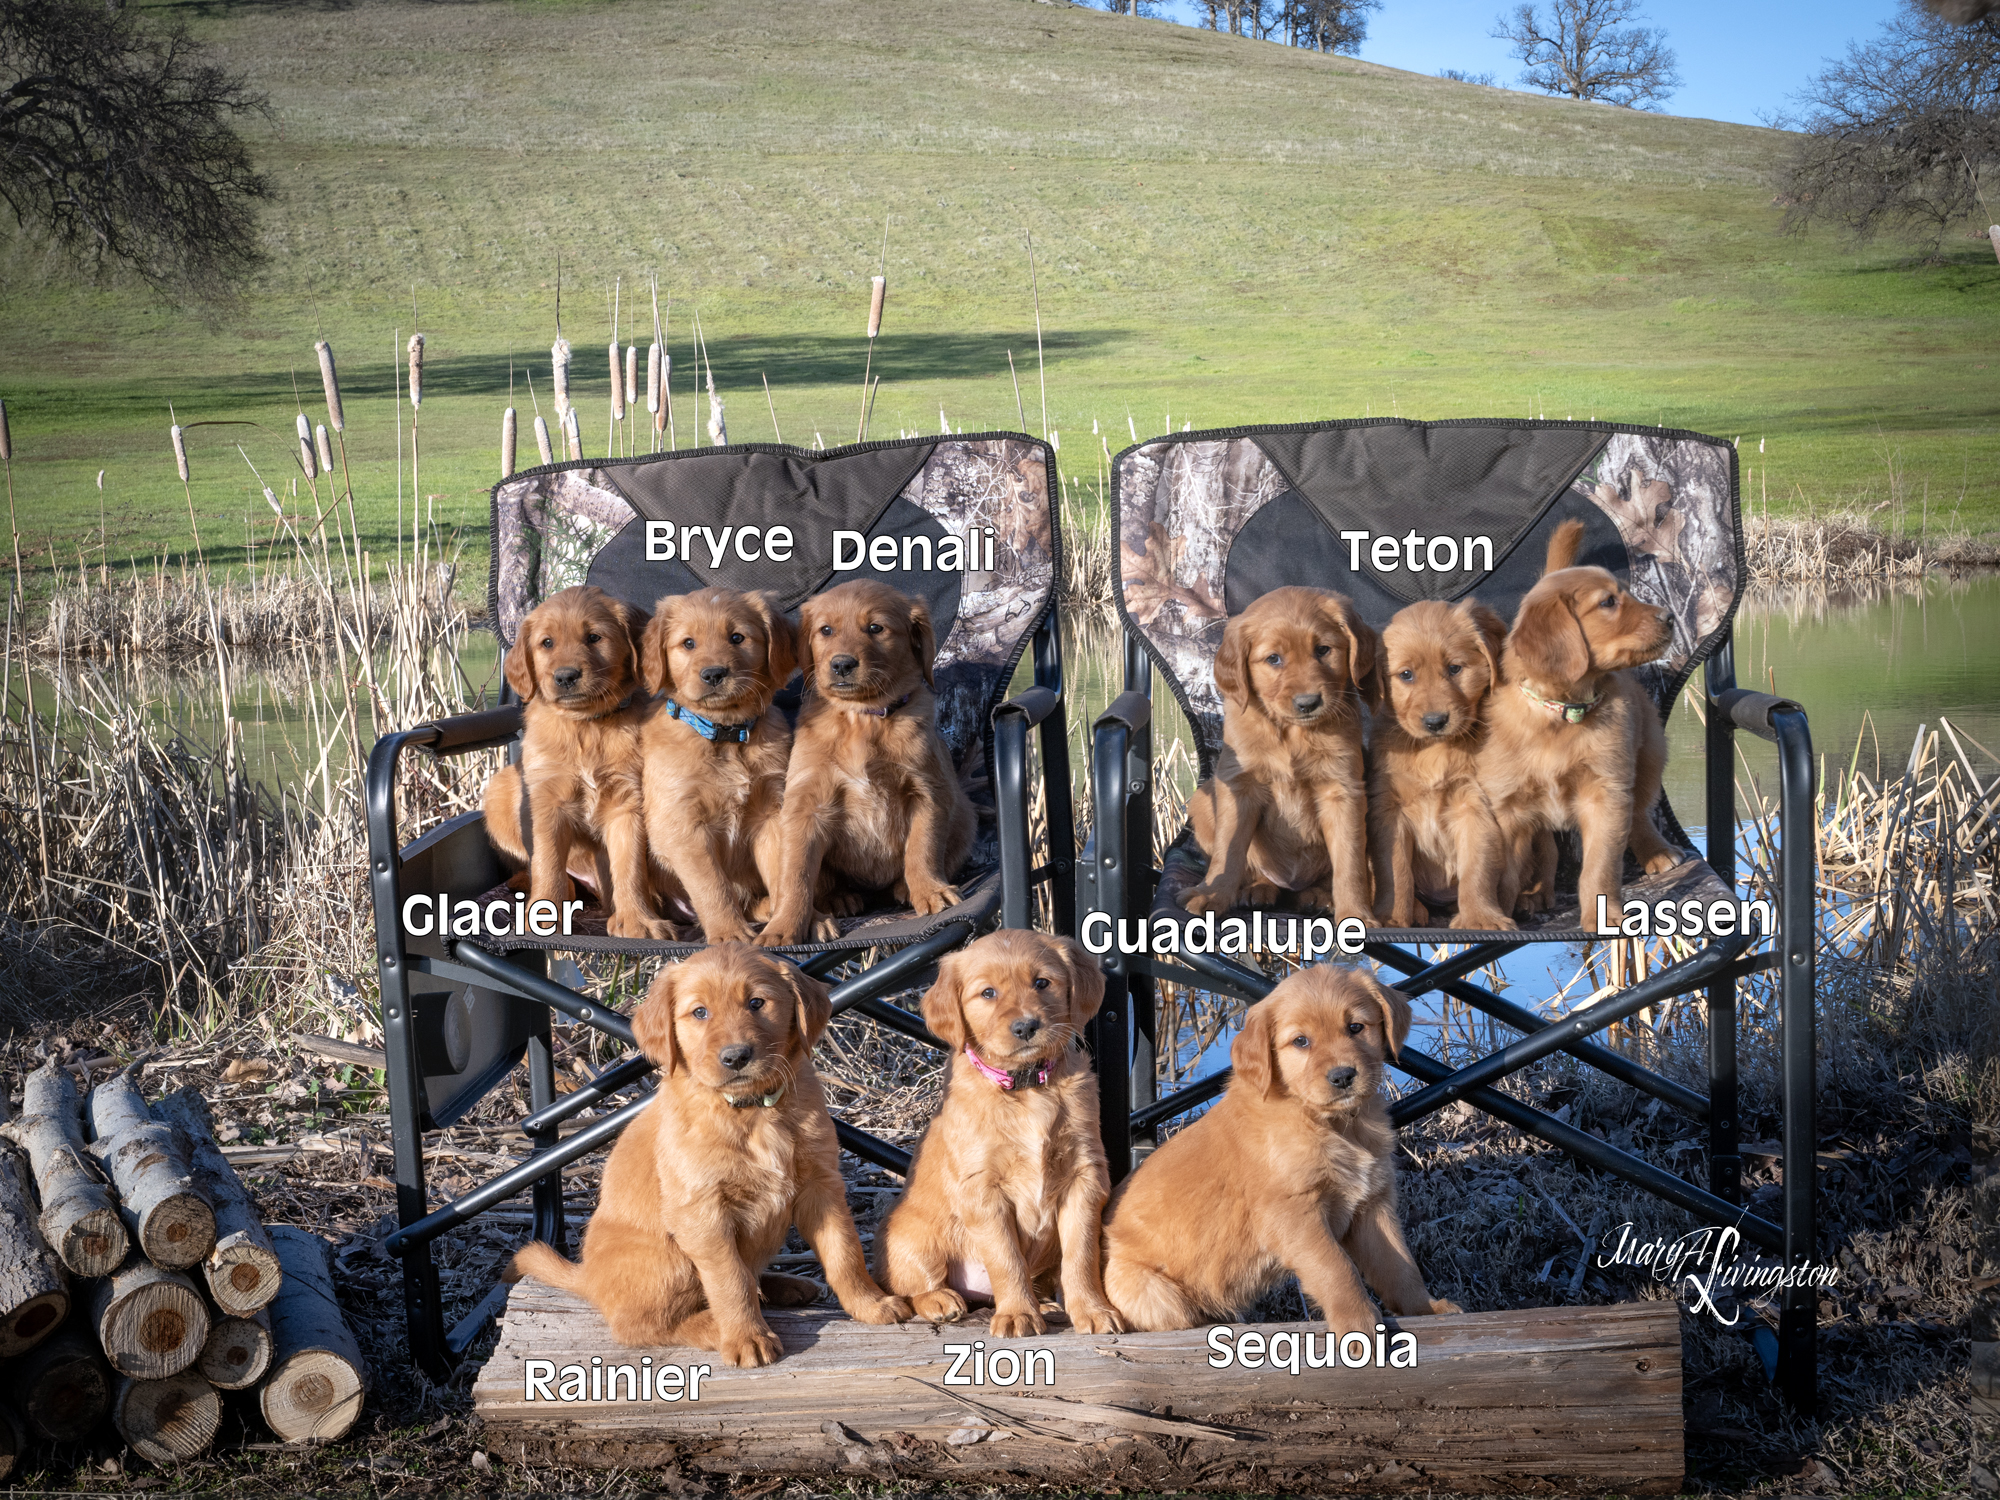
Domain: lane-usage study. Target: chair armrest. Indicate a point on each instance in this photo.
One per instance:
(1753, 711)
(461, 734)
(1131, 710)
(1032, 705)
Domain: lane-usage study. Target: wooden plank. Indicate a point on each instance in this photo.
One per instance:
(1548, 1400)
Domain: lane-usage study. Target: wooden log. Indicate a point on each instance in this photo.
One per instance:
(166, 1420)
(1542, 1400)
(79, 1213)
(318, 1378)
(168, 1218)
(238, 1351)
(62, 1387)
(150, 1323)
(34, 1291)
(241, 1267)
(13, 1440)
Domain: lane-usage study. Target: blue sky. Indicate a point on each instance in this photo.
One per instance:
(1739, 59)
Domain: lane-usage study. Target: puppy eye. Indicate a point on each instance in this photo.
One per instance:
(1609, 601)
(826, 630)
(548, 642)
(700, 1012)
(1302, 1041)
(688, 644)
(735, 637)
(1406, 675)
(1041, 984)
(874, 629)
(1321, 650)
(990, 993)
(1454, 669)
(1274, 660)
(755, 1002)
(1355, 1028)
(592, 639)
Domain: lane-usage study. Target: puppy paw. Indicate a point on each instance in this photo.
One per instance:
(751, 1348)
(846, 904)
(761, 909)
(1439, 1307)
(1662, 862)
(928, 903)
(1263, 893)
(880, 1309)
(825, 928)
(629, 924)
(781, 1290)
(1095, 1318)
(778, 933)
(1207, 897)
(940, 1306)
(1482, 921)
(1018, 1325)
(732, 931)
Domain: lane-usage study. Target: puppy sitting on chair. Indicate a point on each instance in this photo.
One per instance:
(1009, 1181)
(1287, 807)
(736, 1148)
(715, 751)
(1294, 1170)
(573, 804)
(872, 800)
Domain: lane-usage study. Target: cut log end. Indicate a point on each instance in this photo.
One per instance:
(316, 1395)
(93, 1245)
(167, 1420)
(31, 1322)
(151, 1323)
(177, 1232)
(62, 1389)
(244, 1278)
(237, 1354)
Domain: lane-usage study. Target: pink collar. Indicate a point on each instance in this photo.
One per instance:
(1010, 1081)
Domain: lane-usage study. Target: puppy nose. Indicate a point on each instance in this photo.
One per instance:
(567, 676)
(1340, 1078)
(713, 675)
(1026, 1027)
(1434, 723)
(735, 1056)
(1306, 703)
(842, 665)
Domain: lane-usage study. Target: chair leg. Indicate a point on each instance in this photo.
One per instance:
(423, 1302)
(547, 1196)
(1725, 1162)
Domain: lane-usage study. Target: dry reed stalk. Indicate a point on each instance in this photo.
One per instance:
(542, 443)
(330, 383)
(416, 371)
(1041, 365)
(653, 384)
(573, 434)
(508, 439)
(878, 296)
(559, 373)
(178, 436)
(308, 458)
(631, 377)
(617, 385)
(325, 445)
(770, 406)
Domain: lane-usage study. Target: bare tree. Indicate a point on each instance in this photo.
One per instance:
(116, 144)
(1591, 49)
(1901, 134)
(1962, 12)
(1321, 25)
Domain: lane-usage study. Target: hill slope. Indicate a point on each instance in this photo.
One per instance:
(1226, 231)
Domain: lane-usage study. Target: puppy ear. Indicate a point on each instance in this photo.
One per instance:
(812, 1005)
(656, 646)
(521, 663)
(1547, 640)
(1492, 632)
(653, 1021)
(782, 650)
(1250, 1054)
(633, 620)
(1232, 663)
(940, 1007)
(1395, 1011)
(1565, 542)
(1363, 647)
(1086, 980)
(923, 641)
(808, 633)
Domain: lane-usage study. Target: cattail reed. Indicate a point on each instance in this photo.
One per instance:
(178, 434)
(573, 434)
(653, 381)
(416, 371)
(308, 459)
(617, 385)
(632, 376)
(542, 440)
(6, 437)
(559, 373)
(718, 430)
(331, 382)
(325, 448)
(875, 305)
(508, 434)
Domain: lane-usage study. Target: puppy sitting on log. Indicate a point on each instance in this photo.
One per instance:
(1294, 1170)
(872, 799)
(572, 806)
(1009, 1181)
(735, 1149)
(1287, 807)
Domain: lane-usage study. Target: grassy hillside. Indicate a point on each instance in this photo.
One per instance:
(1226, 230)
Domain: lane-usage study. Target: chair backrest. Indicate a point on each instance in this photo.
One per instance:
(966, 523)
(1389, 512)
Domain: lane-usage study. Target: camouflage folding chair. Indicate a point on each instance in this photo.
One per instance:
(1207, 522)
(459, 1014)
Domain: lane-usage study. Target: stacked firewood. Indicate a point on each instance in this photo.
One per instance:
(138, 1282)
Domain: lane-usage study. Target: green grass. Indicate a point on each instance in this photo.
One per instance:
(1227, 231)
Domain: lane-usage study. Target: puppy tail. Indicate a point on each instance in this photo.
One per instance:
(1564, 546)
(542, 1262)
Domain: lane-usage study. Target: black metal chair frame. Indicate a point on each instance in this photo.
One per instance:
(522, 975)
(1118, 877)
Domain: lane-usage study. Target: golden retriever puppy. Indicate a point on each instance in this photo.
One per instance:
(1572, 739)
(1287, 807)
(871, 795)
(1009, 1182)
(1293, 1170)
(1432, 835)
(715, 751)
(702, 1186)
(573, 803)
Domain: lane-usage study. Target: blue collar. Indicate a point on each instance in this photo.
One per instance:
(708, 729)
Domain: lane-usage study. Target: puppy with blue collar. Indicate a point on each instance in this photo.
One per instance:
(714, 752)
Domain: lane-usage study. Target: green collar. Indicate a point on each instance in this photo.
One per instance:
(1569, 713)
